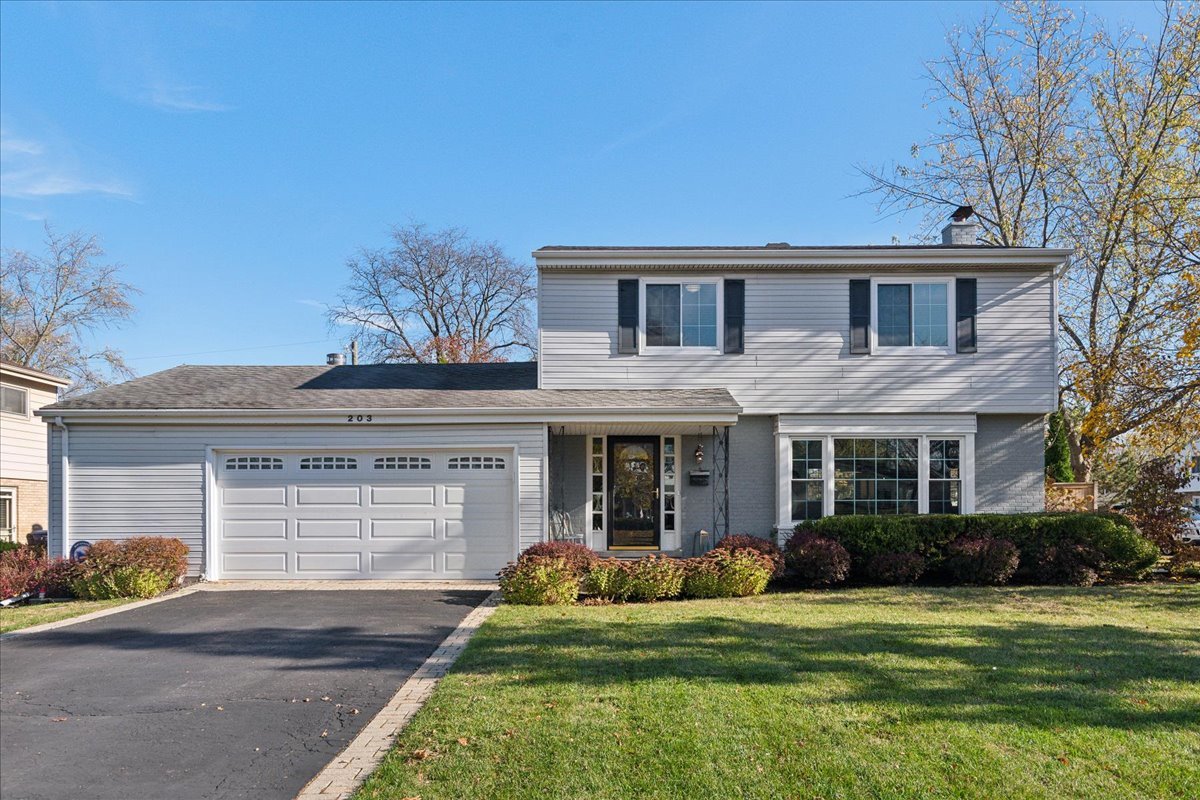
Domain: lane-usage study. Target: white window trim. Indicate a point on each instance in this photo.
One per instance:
(28, 413)
(597, 536)
(784, 469)
(11, 535)
(670, 539)
(645, 349)
(951, 315)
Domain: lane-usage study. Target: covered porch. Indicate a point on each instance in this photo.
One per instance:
(627, 488)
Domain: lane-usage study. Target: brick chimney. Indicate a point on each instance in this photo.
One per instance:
(961, 230)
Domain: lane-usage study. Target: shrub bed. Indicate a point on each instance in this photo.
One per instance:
(1186, 562)
(725, 572)
(1051, 547)
(981, 560)
(579, 558)
(895, 568)
(540, 581)
(142, 566)
(817, 560)
(741, 541)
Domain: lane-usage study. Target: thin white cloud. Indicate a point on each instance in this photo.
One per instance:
(34, 169)
(178, 98)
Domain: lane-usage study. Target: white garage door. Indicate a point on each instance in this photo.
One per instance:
(381, 515)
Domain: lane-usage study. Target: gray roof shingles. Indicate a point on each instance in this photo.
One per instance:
(375, 386)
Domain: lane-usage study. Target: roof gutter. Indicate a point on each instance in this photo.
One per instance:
(725, 414)
(548, 258)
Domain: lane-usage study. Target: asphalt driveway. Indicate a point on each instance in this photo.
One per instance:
(211, 695)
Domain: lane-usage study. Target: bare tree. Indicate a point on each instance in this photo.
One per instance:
(437, 297)
(1064, 133)
(51, 303)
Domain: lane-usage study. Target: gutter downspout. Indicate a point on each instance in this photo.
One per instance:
(65, 472)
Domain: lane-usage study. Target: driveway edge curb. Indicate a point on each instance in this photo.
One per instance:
(104, 612)
(342, 776)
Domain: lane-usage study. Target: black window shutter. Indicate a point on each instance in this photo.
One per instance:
(965, 301)
(860, 316)
(735, 316)
(627, 316)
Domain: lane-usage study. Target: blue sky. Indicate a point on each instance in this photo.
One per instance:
(232, 156)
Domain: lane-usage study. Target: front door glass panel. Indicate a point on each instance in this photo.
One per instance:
(634, 493)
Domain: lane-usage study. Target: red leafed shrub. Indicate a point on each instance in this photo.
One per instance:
(166, 556)
(539, 581)
(740, 541)
(653, 578)
(981, 560)
(817, 561)
(579, 558)
(19, 570)
(56, 577)
(895, 568)
(1068, 563)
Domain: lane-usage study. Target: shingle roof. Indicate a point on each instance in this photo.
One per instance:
(391, 386)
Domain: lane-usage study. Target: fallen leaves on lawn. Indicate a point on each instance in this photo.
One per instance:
(464, 741)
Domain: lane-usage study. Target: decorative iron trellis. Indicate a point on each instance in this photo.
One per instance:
(720, 483)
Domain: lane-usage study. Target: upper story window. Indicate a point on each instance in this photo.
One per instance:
(912, 314)
(681, 314)
(14, 400)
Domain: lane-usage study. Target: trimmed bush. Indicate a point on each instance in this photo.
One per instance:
(727, 573)
(126, 581)
(128, 568)
(607, 580)
(742, 541)
(817, 561)
(6, 546)
(539, 581)
(164, 555)
(56, 577)
(578, 557)
(981, 560)
(1122, 551)
(1068, 563)
(895, 568)
(653, 578)
(1186, 562)
(19, 570)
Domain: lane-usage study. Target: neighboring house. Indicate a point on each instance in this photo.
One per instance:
(1192, 489)
(679, 390)
(23, 496)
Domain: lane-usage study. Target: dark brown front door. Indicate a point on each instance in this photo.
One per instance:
(633, 505)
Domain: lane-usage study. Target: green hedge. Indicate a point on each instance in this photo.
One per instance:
(1124, 551)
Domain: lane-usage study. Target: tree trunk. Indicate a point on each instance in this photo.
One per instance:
(1079, 465)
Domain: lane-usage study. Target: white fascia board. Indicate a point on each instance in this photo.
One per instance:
(934, 256)
(422, 416)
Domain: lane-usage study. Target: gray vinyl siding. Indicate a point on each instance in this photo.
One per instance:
(1010, 464)
(797, 357)
(149, 480)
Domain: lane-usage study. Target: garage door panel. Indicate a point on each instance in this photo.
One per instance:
(350, 563)
(264, 563)
(328, 495)
(328, 529)
(399, 523)
(402, 495)
(254, 496)
(254, 529)
(403, 529)
(412, 563)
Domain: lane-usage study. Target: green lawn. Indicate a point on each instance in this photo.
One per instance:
(12, 619)
(872, 693)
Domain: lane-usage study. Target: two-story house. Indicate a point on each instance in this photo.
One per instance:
(680, 393)
(23, 493)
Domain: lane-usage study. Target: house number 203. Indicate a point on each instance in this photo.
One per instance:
(358, 418)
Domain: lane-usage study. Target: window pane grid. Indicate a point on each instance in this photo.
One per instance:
(875, 476)
(808, 479)
(913, 314)
(662, 315)
(681, 315)
(945, 476)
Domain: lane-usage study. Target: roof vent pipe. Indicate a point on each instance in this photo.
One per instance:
(335, 360)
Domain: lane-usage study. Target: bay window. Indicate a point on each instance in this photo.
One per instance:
(867, 474)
